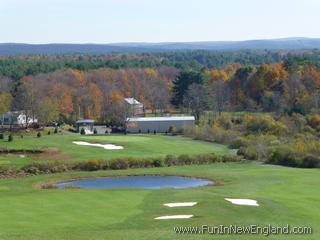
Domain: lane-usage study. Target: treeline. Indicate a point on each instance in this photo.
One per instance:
(16, 66)
(69, 95)
(284, 87)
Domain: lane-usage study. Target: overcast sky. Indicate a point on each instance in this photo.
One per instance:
(107, 21)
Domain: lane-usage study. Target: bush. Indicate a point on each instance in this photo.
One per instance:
(1, 136)
(10, 138)
(224, 121)
(186, 159)
(92, 165)
(49, 186)
(117, 164)
(314, 121)
(49, 133)
(82, 131)
(39, 134)
(284, 156)
(239, 142)
(95, 131)
(310, 162)
(170, 160)
(263, 124)
(158, 162)
(248, 153)
(171, 129)
(55, 130)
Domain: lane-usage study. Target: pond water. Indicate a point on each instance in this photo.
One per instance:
(146, 182)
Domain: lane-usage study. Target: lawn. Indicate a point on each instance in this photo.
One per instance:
(138, 146)
(286, 195)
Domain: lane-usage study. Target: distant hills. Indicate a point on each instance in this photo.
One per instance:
(273, 44)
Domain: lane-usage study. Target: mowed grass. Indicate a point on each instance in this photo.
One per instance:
(136, 146)
(286, 195)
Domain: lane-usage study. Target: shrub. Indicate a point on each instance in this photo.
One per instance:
(72, 187)
(1, 136)
(82, 131)
(117, 164)
(229, 158)
(239, 142)
(95, 131)
(171, 129)
(310, 162)
(248, 153)
(49, 133)
(206, 158)
(55, 130)
(186, 159)
(314, 121)
(10, 138)
(170, 160)
(158, 162)
(263, 124)
(39, 134)
(92, 165)
(284, 156)
(224, 121)
(49, 186)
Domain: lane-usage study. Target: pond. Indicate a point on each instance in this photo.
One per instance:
(146, 182)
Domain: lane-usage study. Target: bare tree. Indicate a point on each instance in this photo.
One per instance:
(219, 96)
(196, 99)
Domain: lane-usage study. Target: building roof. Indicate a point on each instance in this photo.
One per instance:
(158, 119)
(132, 101)
(85, 121)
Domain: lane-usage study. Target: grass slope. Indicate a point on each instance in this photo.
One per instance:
(287, 196)
(137, 146)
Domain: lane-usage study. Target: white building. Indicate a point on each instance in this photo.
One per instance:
(158, 124)
(136, 107)
(16, 118)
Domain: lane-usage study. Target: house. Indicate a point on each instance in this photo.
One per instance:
(16, 118)
(158, 124)
(135, 107)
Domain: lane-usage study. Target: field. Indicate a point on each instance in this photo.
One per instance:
(287, 196)
(139, 146)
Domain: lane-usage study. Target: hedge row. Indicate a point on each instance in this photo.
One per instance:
(7, 150)
(116, 164)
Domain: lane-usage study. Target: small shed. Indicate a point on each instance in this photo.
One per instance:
(86, 124)
(158, 124)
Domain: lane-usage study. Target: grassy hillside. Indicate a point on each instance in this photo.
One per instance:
(138, 146)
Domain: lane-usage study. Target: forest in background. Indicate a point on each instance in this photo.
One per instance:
(69, 87)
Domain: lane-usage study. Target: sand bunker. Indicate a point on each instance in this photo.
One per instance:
(174, 217)
(182, 204)
(247, 202)
(105, 146)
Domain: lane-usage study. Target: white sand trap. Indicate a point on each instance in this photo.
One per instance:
(174, 217)
(182, 204)
(105, 146)
(247, 202)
